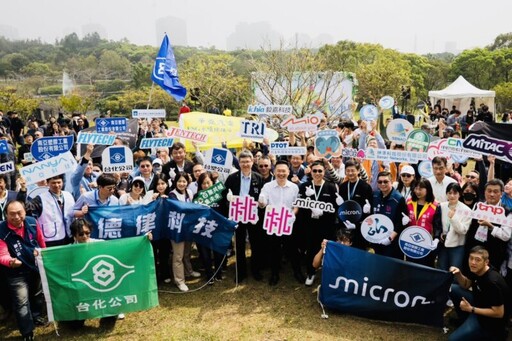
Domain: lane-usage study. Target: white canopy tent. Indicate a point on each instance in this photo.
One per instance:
(460, 93)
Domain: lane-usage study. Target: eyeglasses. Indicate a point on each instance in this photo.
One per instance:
(470, 176)
(317, 170)
(144, 166)
(81, 234)
(383, 182)
(405, 175)
(138, 184)
(263, 166)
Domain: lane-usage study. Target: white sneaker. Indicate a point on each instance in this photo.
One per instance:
(120, 316)
(449, 303)
(167, 280)
(195, 274)
(183, 287)
(310, 280)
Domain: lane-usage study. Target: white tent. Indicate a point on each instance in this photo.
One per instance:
(460, 93)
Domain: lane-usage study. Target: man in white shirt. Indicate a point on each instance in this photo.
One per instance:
(279, 192)
(440, 181)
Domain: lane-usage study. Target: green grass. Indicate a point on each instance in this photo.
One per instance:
(251, 311)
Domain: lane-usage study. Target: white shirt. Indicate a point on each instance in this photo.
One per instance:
(439, 188)
(280, 195)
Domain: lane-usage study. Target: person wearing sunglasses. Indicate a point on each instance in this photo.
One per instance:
(146, 172)
(265, 168)
(406, 182)
(389, 202)
(314, 225)
(135, 194)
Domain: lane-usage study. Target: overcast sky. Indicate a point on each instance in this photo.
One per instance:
(405, 25)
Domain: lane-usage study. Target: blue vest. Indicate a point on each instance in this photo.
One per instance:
(21, 248)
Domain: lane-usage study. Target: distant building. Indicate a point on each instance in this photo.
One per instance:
(175, 28)
(253, 36)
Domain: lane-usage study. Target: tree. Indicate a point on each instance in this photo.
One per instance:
(141, 75)
(501, 41)
(218, 85)
(504, 96)
(112, 65)
(476, 65)
(12, 99)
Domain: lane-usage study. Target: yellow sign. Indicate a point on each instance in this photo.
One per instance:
(219, 129)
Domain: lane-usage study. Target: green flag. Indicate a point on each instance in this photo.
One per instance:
(91, 280)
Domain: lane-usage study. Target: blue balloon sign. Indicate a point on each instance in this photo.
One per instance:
(350, 210)
(415, 242)
(369, 112)
(47, 147)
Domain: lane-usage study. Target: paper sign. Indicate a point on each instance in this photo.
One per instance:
(369, 112)
(386, 102)
(398, 129)
(376, 227)
(270, 109)
(7, 167)
(278, 220)
(218, 160)
(252, 129)
(148, 113)
(491, 213)
(489, 145)
(186, 134)
(243, 209)
(148, 143)
(387, 155)
(95, 138)
(307, 203)
(108, 124)
(327, 144)
(417, 141)
(282, 148)
(116, 159)
(48, 168)
(415, 242)
(211, 195)
(47, 147)
(307, 123)
(425, 169)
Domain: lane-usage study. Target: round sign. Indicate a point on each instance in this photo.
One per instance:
(415, 242)
(434, 149)
(386, 102)
(425, 169)
(398, 129)
(369, 112)
(417, 141)
(350, 210)
(376, 227)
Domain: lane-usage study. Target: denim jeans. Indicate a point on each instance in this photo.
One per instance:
(27, 297)
(450, 256)
(471, 328)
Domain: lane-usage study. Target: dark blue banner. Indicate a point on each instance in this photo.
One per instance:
(167, 218)
(383, 288)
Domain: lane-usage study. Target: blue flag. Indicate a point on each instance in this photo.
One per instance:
(378, 287)
(165, 72)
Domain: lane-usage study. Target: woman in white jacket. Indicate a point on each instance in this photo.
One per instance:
(451, 223)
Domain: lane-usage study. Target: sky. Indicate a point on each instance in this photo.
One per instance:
(405, 25)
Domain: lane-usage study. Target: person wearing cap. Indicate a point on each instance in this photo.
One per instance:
(406, 181)
(135, 193)
(157, 166)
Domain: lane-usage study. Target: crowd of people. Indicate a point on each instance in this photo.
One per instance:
(43, 215)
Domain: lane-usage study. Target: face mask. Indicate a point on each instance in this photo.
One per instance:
(469, 196)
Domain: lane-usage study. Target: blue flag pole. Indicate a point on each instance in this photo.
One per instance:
(165, 71)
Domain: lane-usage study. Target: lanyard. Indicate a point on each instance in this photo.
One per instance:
(317, 195)
(349, 193)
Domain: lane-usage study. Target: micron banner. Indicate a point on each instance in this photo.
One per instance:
(98, 279)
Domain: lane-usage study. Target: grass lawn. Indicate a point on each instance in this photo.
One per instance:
(251, 311)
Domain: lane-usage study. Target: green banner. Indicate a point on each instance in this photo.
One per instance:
(211, 195)
(98, 279)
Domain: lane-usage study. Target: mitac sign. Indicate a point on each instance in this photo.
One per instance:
(489, 145)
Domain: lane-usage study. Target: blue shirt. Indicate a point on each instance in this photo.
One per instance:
(245, 185)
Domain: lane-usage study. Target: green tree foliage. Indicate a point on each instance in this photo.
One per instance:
(12, 99)
(504, 96)
(502, 41)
